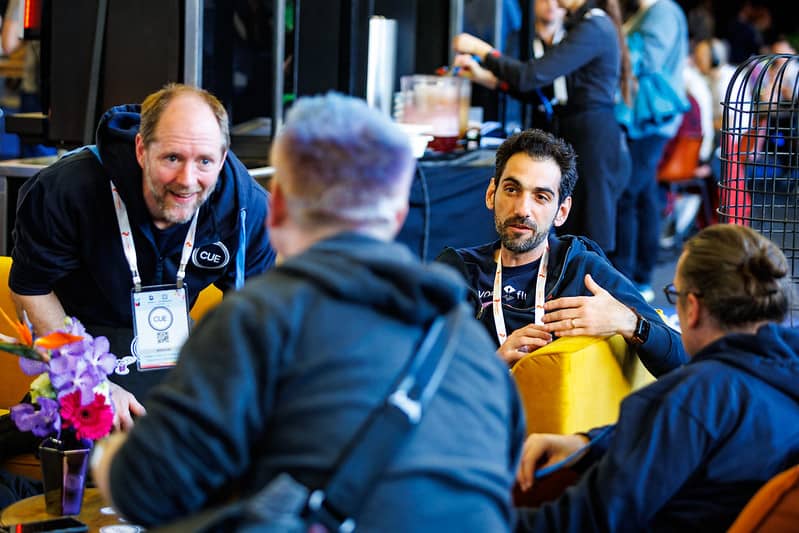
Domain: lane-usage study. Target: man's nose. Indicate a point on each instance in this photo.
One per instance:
(524, 206)
(186, 175)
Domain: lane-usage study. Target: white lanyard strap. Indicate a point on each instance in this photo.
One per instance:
(187, 248)
(130, 249)
(540, 287)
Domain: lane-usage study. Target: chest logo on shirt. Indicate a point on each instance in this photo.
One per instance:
(211, 256)
(513, 294)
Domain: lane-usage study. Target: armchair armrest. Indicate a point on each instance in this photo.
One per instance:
(577, 383)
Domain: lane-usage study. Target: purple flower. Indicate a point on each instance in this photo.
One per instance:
(42, 422)
(100, 359)
(81, 365)
(69, 373)
(31, 367)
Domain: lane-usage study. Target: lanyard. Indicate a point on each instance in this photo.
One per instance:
(130, 249)
(540, 287)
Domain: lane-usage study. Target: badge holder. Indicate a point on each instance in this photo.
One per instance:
(160, 325)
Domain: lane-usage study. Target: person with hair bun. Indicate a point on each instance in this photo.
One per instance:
(691, 449)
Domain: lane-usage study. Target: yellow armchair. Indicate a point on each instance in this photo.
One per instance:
(577, 383)
(13, 382)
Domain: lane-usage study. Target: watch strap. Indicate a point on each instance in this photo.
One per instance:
(641, 332)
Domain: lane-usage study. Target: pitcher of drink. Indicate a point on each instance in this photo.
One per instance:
(440, 101)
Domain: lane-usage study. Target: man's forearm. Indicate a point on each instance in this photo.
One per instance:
(45, 311)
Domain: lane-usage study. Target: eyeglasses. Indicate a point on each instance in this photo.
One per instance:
(672, 293)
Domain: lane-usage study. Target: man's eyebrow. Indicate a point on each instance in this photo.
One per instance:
(516, 182)
(513, 180)
(544, 189)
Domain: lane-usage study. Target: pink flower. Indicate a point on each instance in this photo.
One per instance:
(91, 421)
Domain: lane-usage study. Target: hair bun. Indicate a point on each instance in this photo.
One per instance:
(764, 268)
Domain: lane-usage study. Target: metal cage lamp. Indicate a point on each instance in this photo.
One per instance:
(759, 178)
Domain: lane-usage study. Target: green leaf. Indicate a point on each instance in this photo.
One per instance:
(20, 350)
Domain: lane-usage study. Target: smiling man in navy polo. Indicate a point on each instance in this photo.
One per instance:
(124, 235)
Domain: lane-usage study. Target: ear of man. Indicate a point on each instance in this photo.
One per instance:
(693, 311)
(491, 192)
(563, 211)
(278, 210)
(140, 150)
(399, 219)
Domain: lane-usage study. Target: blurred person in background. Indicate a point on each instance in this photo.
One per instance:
(549, 30)
(657, 34)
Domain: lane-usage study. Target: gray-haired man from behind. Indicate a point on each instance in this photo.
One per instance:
(283, 373)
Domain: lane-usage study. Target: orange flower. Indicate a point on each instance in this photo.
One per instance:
(55, 340)
(48, 342)
(25, 336)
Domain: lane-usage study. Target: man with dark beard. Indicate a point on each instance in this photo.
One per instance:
(530, 286)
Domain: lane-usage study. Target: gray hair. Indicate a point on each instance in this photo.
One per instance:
(348, 163)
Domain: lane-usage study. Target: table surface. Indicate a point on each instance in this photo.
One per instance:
(32, 510)
(26, 167)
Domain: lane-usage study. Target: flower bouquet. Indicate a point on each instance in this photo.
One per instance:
(70, 403)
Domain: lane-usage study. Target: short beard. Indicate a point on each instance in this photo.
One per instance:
(519, 246)
(164, 213)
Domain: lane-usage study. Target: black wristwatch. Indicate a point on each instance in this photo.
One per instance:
(641, 333)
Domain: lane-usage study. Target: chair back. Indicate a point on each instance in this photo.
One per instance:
(774, 508)
(680, 162)
(208, 298)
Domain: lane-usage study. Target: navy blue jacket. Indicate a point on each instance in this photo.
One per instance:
(281, 374)
(67, 236)
(691, 449)
(571, 258)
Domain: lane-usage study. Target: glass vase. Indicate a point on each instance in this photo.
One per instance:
(64, 465)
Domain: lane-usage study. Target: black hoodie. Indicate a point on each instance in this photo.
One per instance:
(282, 373)
(67, 235)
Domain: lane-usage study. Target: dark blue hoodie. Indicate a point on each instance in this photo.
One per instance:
(691, 449)
(571, 258)
(67, 236)
(280, 375)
